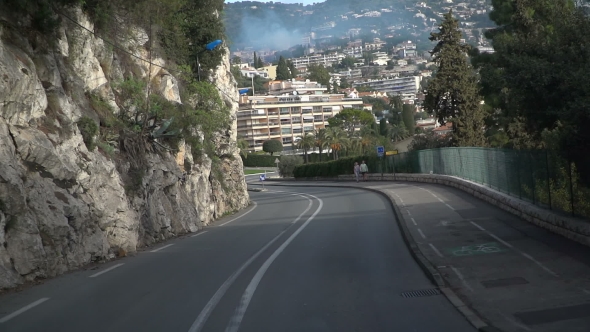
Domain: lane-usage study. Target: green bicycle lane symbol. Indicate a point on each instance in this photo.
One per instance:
(480, 249)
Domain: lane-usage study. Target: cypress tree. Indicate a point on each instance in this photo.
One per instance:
(255, 61)
(283, 70)
(408, 117)
(453, 93)
(260, 63)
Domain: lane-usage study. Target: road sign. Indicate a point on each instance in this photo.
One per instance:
(262, 177)
(277, 161)
(380, 151)
(391, 153)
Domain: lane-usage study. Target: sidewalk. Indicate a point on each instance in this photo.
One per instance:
(512, 274)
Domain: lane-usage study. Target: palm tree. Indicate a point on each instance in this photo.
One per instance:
(320, 140)
(337, 140)
(368, 136)
(306, 143)
(243, 145)
(398, 132)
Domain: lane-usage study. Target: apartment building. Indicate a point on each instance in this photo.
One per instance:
(393, 85)
(290, 110)
(324, 59)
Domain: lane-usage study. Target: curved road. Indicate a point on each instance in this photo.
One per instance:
(299, 259)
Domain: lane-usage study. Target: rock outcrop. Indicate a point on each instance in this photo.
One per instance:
(63, 206)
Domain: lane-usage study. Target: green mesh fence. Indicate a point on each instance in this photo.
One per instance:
(539, 177)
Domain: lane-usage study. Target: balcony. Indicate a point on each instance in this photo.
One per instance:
(260, 124)
(275, 133)
(274, 124)
(308, 121)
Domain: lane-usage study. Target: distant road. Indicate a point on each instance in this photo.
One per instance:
(299, 259)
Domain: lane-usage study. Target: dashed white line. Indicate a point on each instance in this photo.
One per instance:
(421, 234)
(409, 213)
(252, 209)
(462, 279)
(548, 270)
(450, 207)
(414, 221)
(236, 320)
(436, 250)
(23, 309)
(500, 240)
(201, 233)
(164, 247)
(106, 270)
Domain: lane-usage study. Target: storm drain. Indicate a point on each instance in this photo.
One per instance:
(421, 293)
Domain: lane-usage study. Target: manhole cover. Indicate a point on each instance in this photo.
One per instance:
(421, 293)
(504, 282)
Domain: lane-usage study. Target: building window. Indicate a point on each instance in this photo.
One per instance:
(317, 109)
(327, 109)
(285, 130)
(284, 110)
(295, 110)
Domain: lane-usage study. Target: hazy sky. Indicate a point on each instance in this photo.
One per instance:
(305, 2)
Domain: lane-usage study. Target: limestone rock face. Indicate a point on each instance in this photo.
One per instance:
(63, 206)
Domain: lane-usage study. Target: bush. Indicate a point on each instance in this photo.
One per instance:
(88, 129)
(256, 160)
(334, 168)
(288, 164)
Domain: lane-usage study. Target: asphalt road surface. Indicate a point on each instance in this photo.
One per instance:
(298, 259)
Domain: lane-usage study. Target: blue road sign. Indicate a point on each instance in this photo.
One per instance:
(380, 151)
(262, 177)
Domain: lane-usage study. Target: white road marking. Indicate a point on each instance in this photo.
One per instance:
(201, 233)
(462, 279)
(586, 291)
(478, 226)
(236, 320)
(421, 234)
(164, 247)
(199, 323)
(435, 250)
(524, 254)
(409, 213)
(23, 309)
(252, 209)
(414, 221)
(450, 207)
(105, 271)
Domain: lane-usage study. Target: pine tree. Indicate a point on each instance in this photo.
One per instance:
(283, 70)
(453, 94)
(260, 63)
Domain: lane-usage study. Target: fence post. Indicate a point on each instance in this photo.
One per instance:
(518, 156)
(569, 174)
(532, 175)
(548, 179)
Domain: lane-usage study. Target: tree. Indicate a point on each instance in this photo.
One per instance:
(306, 143)
(292, 69)
(255, 61)
(243, 146)
(453, 93)
(349, 119)
(383, 127)
(348, 62)
(288, 164)
(408, 117)
(236, 60)
(320, 140)
(283, 70)
(272, 146)
(398, 132)
(337, 140)
(318, 73)
(537, 78)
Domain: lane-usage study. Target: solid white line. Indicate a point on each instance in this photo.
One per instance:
(409, 213)
(201, 233)
(462, 279)
(164, 247)
(105, 271)
(236, 218)
(206, 312)
(548, 270)
(435, 250)
(414, 221)
(401, 200)
(586, 291)
(421, 234)
(236, 320)
(500, 240)
(23, 309)
(478, 226)
(450, 207)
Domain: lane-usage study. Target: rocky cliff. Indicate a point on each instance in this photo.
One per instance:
(62, 205)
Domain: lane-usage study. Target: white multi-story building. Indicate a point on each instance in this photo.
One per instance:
(324, 59)
(291, 110)
(393, 85)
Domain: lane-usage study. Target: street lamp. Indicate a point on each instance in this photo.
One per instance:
(209, 47)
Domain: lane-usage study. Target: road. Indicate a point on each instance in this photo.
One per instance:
(299, 259)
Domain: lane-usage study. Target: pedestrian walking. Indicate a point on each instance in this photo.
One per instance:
(357, 171)
(364, 170)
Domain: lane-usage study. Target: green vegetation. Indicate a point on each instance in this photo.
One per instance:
(334, 168)
(88, 129)
(257, 160)
(408, 117)
(272, 145)
(283, 72)
(288, 164)
(453, 94)
(253, 171)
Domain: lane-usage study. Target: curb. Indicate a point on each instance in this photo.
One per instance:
(429, 270)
